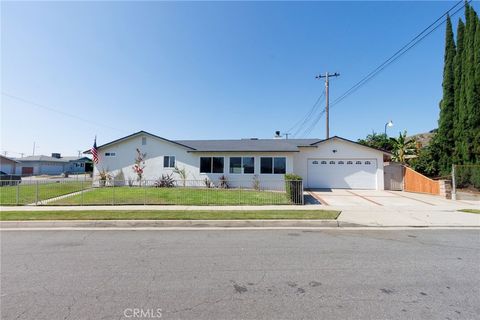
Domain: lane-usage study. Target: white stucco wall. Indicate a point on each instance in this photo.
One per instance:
(344, 150)
(156, 149)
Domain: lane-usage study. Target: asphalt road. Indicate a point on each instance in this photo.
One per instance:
(337, 274)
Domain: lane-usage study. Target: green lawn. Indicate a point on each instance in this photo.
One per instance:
(167, 215)
(27, 193)
(471, 210)
(179, 196)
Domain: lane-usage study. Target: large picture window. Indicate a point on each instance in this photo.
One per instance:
(275, 165)
(240, 165)
(169, 161)
(211, 164)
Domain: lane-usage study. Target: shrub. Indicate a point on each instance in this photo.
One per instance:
(223, 182)
(208, 183)
(293, 187)
(256, 183)
(166, 181)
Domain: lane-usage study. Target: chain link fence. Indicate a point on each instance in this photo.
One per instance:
(150, 192)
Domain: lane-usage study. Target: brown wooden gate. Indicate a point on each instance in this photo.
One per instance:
(417, 182)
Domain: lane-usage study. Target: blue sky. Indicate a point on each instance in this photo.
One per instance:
(210, 70)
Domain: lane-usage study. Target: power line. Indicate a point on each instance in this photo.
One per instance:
(59, 111)
(308, 117)
(301, 122)
(412, 43)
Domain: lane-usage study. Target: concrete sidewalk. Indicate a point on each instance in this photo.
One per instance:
(407, 216)
(413, 217)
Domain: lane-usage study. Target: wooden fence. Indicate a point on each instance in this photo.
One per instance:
(416, 182)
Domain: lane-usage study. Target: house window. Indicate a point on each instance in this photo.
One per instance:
(277, 165)
(169, 161)
(211, 164)
(341, 162)
(248, 165)
(244, 165)
(280, 165)
(144, 141)
(109, 154)
(349, 162)
(358, 162)
(332, 162)
(235, 165)
(367, 162)
(315, 162)
(323, 162)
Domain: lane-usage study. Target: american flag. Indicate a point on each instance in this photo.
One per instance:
(94, 151)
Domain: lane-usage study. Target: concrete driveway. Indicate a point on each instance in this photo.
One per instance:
(383, 198)
(397, 208)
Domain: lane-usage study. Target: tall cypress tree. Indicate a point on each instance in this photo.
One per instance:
(459, 118)
(476, 111)
(444, 143)
(471, 101)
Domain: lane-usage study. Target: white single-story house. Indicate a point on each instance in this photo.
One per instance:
(331, 163)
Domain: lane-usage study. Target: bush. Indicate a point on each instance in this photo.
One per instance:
(166, 181)
(223, 182)
(293, 187)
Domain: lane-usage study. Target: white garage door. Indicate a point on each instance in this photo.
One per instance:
(342, 173)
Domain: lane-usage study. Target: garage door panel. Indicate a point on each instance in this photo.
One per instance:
(342, 173)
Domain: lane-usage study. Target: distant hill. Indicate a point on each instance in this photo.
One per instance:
(424, 138)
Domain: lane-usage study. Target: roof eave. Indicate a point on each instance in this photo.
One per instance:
(135, 134)
(199, 151)
(354, 142)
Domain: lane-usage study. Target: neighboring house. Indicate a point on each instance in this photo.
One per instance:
(54, 165)
(8, 165)
(330, 163)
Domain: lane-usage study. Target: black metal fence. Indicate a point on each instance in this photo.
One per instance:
(150, 192)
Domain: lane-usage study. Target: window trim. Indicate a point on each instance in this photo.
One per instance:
(169, 162)
(273, 165)
(242, 165)
(211, 165)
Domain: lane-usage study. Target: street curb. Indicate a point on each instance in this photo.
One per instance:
(128, 224)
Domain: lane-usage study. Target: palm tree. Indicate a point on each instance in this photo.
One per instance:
(402, 147)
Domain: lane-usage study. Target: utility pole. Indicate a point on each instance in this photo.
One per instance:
(33, 148)
(327, 111)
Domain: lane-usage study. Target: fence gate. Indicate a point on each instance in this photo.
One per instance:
(393, 176)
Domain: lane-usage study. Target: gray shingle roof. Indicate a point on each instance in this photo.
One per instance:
(47, 159)
(240, 145)
(243, 145)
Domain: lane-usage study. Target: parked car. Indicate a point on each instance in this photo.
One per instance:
(9, 179)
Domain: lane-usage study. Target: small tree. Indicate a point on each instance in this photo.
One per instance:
(104, 176)
(378, 141)
(182, 173)
(139, 165)
(402, 147)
